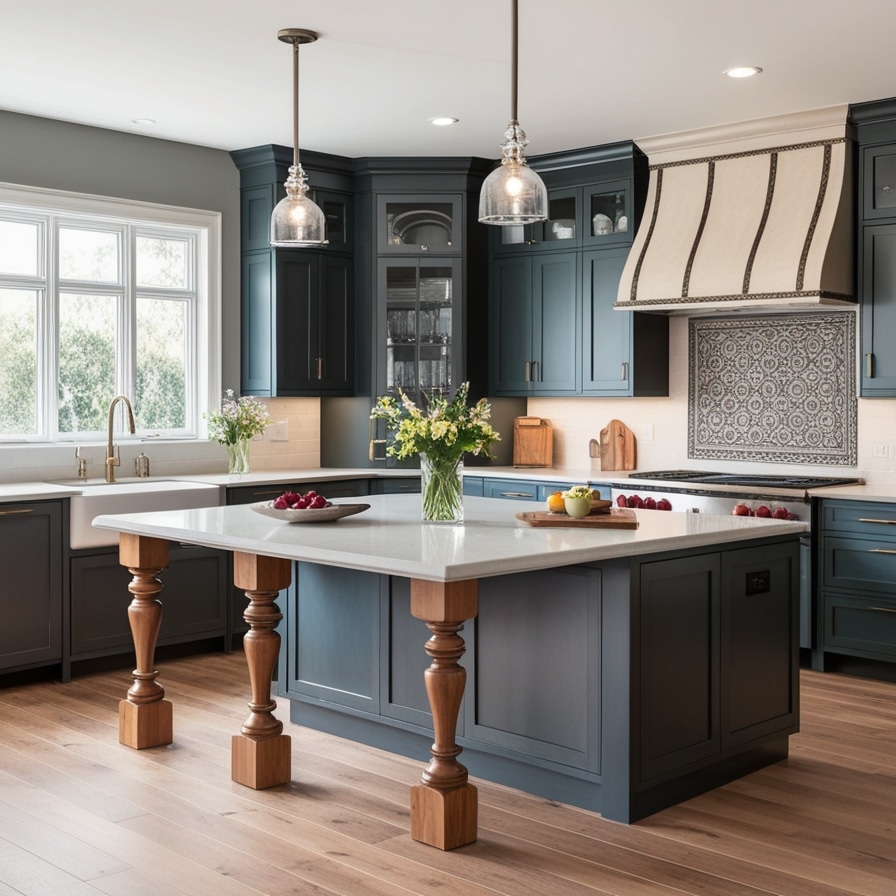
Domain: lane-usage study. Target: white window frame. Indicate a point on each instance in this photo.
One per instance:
(204, 343)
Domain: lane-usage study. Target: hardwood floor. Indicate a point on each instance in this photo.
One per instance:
(81, 815)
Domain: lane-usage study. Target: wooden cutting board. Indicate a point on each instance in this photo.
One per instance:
(617, 447)
(617, 518)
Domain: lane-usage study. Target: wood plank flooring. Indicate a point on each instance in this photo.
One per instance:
(82, 815)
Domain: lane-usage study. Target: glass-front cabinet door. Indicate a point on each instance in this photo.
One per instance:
(417, 325)
(607, 214)
(559, 231)
(414, 224)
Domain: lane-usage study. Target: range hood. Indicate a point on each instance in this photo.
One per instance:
(755, 216)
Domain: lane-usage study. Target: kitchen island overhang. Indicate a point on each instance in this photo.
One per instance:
(723, 588)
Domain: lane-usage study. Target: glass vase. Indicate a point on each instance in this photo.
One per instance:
(441, 488)
(238, 457)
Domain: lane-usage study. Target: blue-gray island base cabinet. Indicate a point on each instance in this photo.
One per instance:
(619, 670)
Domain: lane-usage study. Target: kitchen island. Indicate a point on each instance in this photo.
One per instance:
(681, 671)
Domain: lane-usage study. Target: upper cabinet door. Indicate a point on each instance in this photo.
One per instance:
(879, 182)
(416, 224)
(337, 208)
(607, 215)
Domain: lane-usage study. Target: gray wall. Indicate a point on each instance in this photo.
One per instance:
(42, 152)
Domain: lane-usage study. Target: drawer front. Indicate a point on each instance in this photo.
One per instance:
(511, 489)
(405, 486)
(877, 519)
(861, 626)
(860, 564)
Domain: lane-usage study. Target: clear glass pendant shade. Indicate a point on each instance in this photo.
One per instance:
(513, 193)
(297, 221)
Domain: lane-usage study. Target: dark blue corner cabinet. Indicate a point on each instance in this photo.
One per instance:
(297, 305)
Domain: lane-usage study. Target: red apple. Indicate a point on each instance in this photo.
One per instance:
(622, 501)
(635, 501)
(649, 503)
(741, 510)
(763, 511)
(781, 513)
(663, 504)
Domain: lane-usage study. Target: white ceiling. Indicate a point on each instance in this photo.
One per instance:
(212, 72)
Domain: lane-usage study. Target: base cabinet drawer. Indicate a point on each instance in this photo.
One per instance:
(860, 626)
(859, 564)
(855, 518)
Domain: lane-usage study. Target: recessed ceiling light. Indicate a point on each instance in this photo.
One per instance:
(742, 71)
(442, 122)
(143, 121)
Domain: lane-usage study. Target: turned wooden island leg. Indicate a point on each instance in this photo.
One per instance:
(444, 806)
(145, 717)
(260, 753)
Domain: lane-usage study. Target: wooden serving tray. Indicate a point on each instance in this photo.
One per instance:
(617, 518)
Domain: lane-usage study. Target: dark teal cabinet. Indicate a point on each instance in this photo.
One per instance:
(878, 296)
(194, 600)
(856, 577)
(875, 126)
(535, 325)
(31, 596)
(624, 353)
(578, 345)
(623, 686)
(313, 335)
(719, 655)
(297, 305)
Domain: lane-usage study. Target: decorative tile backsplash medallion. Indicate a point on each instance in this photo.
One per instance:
(774, 389)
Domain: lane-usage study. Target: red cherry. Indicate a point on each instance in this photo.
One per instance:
(281, 503)
(310, 495)
(318, 502)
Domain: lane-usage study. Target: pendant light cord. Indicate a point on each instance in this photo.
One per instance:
(295, 102)
(514, 39)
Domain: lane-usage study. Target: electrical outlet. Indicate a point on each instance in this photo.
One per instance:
(280, 431)
(880, 449)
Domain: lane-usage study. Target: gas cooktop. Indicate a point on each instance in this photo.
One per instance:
(703, 477)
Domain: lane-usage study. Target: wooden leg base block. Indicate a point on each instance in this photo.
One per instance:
(146, 725)
(261, 763)
(444, 819)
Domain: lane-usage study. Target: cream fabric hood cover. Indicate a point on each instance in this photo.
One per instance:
(756, 215)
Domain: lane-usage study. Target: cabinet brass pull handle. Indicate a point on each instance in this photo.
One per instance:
(881, 522)
(535, 377)
(882, 551)
(623, 375)
(320, 368)
(17, 510)
(869, 368)
(516, 495)
(528, 371)
(883, 609)
(262, 494)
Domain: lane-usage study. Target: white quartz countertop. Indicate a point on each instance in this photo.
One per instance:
(886, 493)
(11, 492)
(389, 537)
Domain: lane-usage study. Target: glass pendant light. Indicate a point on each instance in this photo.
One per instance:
(297, 222)
(513, 193)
